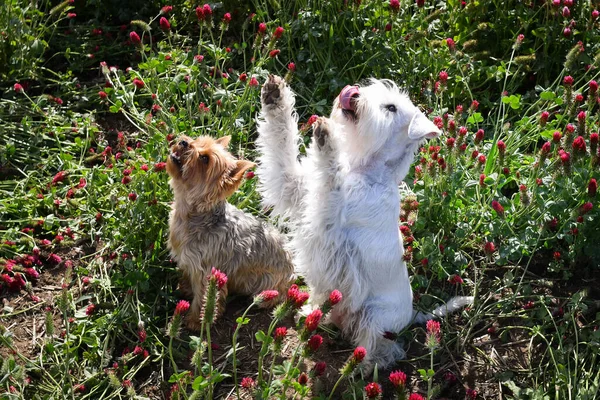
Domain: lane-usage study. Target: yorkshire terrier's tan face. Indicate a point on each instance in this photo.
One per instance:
(204, 170)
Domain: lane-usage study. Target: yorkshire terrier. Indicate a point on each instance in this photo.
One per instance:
(206, 231)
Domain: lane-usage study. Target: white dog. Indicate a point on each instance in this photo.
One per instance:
(343, 203)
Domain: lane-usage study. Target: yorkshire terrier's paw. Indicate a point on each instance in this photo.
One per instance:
(321, 134)
(272, 91)
(193, 323)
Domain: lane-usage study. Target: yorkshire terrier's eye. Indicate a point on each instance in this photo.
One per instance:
(204, 159)
(391, 108)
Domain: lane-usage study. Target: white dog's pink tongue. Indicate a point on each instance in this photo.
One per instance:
(346, 96)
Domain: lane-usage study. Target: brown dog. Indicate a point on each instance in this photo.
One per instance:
(206, 231)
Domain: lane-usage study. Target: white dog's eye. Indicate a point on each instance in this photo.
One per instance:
(391, 108)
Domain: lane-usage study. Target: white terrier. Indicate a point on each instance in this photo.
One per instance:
(343, 203)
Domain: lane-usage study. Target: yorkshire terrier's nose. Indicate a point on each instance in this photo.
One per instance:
(183, 143)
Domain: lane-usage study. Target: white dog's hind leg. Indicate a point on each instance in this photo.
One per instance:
(452, 305)
(369, 330)
(280, 174)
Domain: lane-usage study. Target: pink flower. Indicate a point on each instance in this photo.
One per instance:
(359, 354)
(164, 23)
(373, 389)
(433, 327)
(501, 146)
(472, 394)
(335, 297)
(544, 117)
(568, 80)
(243, 77)
(278, 32)
(546, 148)
(59, 177)
(489, 248)
(398, 379)
(280, 333)
(566, 12)
(166, 9)
(592, 187)
(71, 15)
(451, 44)
(567, 32)
(479, 135)
(253, 82)
(219, 277)
(498, 208)
(482, 159)
(142, 334)
(395, 5)
(595, 14)
(18, 88)
(593, 87)
(134, 37)
(556, 136)
(262, 28)
(207, 10)
(267, 295)
(132, 196)
(273, 53)
(138, 83)
(312, 320)
(303, 379)
(291, 66)
(586, 208)
(160, 166)
(565, 156)
(315, 342)
(579, 144)
(474, 105)
(450, 142)
(90, 309)
(482, 180)
(198, 58)
(415, 396)
(182, 307)
(443, 76)
(227, 18)
(247, 383)
(320, 368)
(54, 259)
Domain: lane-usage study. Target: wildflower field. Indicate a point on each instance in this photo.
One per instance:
(503, 206)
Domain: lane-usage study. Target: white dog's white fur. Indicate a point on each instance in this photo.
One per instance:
(342, 203)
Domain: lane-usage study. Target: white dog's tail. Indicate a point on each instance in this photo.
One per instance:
(452, 305)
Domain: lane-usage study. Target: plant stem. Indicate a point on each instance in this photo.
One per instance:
(210, 361)
(234, 348)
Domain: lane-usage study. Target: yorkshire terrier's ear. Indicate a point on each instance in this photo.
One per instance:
(224, 141)
(234, 180)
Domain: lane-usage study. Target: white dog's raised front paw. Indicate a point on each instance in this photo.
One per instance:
(272, 92)
(322, 134)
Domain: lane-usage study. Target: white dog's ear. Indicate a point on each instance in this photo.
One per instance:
(421, 127)
(224, 141)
